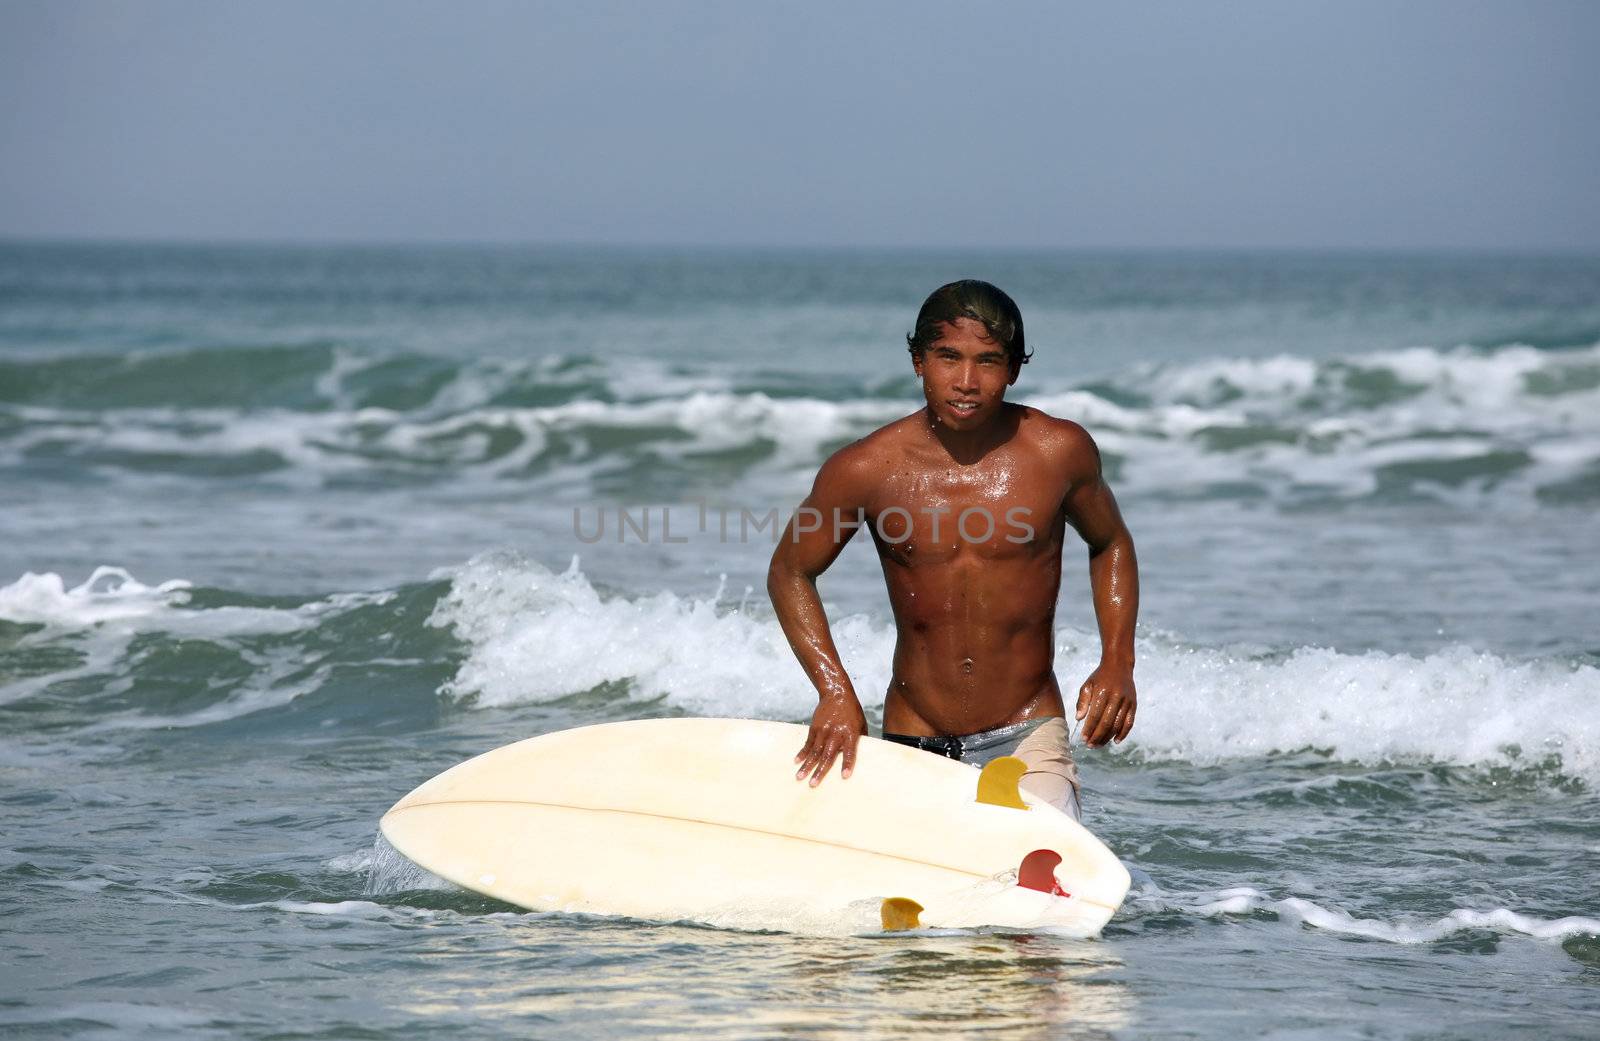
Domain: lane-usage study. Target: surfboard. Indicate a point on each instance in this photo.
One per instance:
(702, 820)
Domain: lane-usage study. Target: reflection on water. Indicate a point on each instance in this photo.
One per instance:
(619, 978)
(627, 977)
(1015, 985)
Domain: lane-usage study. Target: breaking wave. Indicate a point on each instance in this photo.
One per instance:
(532, 634)
(110, 653)
(1513, 423)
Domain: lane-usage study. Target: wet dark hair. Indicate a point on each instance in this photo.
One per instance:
(982, 302)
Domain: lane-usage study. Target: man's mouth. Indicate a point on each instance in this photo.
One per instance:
(963, 408)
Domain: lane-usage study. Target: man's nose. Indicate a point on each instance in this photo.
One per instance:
(967, 378)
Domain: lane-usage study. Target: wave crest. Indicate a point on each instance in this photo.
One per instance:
(1449, 425)
(534, 635)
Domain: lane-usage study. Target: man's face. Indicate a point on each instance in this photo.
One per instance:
(964, 375)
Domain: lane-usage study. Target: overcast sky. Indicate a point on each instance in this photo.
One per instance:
(1271, 124)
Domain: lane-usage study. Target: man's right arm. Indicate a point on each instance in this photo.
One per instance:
(811, 542)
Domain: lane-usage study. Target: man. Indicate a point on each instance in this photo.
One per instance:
(967, 501)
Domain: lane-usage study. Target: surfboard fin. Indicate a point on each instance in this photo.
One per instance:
(1038, 871)
(997, 783)
(899, 913)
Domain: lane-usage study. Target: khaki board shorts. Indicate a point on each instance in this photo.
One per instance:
(1045, 745)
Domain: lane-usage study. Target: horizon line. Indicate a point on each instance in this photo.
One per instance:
(291, 242)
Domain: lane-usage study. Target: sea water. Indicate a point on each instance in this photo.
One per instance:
(284, 532)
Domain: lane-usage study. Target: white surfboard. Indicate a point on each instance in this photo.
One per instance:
(703, 820)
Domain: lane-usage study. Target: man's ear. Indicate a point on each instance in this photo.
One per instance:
(1016, 370)
(916, 362)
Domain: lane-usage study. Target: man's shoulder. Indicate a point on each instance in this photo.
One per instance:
(888, 440)
(866, 458)
(1062, 443)
(1053, 433)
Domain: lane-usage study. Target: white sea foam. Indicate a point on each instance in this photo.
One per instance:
(109, 594)
(1288, 425)
(339, 908)
(534, 635)
(1453, 424)
(1456, 705)
(100, 618)
(1245, 900)
(113, 599)
(358, 862)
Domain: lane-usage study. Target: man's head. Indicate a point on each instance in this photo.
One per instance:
(982, 302)
(967, 348)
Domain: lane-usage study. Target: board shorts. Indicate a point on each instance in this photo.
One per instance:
(1045, 745)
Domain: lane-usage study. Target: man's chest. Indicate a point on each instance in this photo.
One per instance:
(1005, 508)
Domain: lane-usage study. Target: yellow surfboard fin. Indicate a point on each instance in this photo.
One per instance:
(997, 783)
(899, 913)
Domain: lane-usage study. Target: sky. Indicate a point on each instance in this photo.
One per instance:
(1462, 124)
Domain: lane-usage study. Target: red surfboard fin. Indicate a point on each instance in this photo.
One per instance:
(1038, 871)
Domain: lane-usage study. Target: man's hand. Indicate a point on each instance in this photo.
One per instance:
(836, 726)
(1106, 704)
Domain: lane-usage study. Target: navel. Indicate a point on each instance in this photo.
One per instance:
(966, 664)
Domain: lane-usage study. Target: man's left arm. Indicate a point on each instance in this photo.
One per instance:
(1107, 700)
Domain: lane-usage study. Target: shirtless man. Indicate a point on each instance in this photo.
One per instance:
(967, 501)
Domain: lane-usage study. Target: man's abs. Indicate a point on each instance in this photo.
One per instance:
(975, 642)
(960, 682)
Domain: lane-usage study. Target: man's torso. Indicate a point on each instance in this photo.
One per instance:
(971, 553)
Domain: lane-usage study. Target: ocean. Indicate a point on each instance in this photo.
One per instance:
(284, 531)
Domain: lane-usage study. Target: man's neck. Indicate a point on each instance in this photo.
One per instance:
(966, 447)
